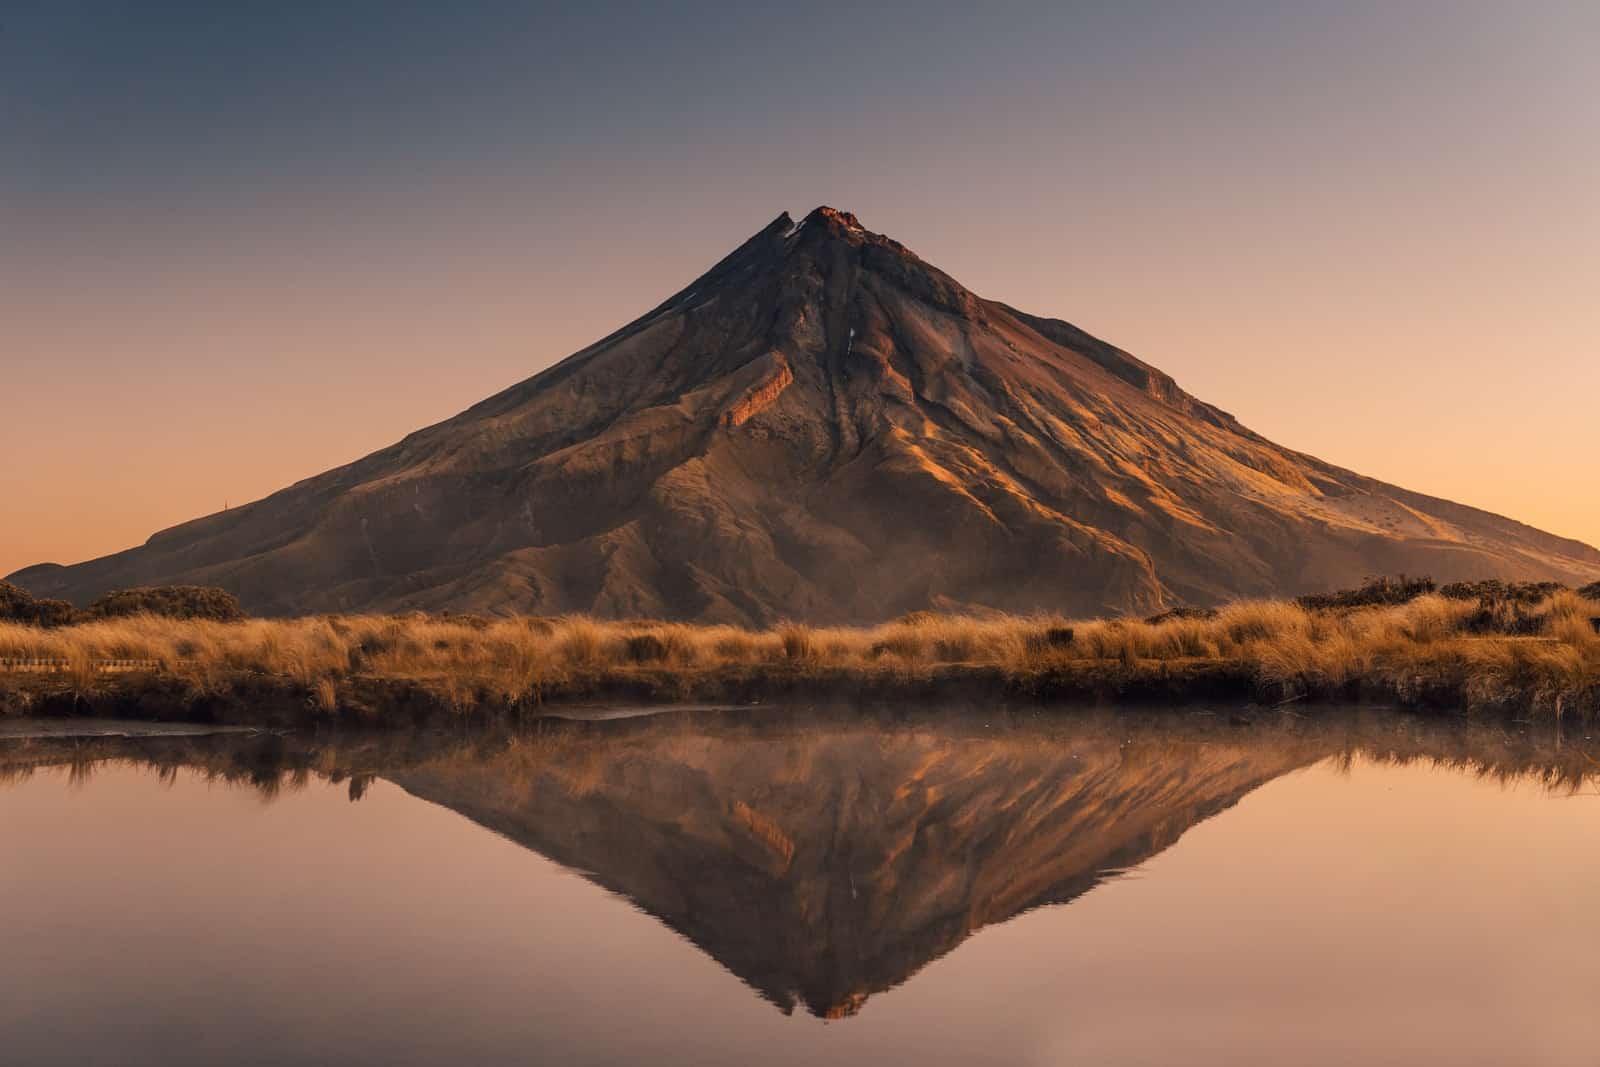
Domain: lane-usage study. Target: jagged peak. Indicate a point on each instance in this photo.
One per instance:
(820, 219)
(833, 217)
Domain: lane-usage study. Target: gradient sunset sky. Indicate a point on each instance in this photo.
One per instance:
(241, 244)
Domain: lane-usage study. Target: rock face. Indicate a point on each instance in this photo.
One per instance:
(823, 426)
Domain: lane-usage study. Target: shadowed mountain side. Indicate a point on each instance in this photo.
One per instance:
(823, 426)
(825, 865)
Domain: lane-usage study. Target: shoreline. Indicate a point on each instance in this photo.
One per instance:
(1554, 755)
(370, 700)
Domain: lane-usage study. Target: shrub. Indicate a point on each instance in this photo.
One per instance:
(1374, 592)
(170, 601)
(1590, 592)
(1183, 614)
(1496, 590)
(19, 605)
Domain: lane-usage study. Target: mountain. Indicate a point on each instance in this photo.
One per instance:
(823, 426)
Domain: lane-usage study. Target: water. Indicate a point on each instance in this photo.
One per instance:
(786, 887)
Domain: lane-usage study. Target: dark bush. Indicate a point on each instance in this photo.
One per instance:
(1182, 613)
(173, 601)
(19, 605)
(1496, 590)
(1374, 592)
(1590, 591)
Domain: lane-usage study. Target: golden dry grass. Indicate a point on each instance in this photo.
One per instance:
(1410, 649)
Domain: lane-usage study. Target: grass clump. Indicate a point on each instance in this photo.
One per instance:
(798, 641)
(580, 642)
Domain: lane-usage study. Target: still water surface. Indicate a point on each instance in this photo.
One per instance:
(797, 887)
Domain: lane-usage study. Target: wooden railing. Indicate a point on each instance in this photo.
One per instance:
(34, 665)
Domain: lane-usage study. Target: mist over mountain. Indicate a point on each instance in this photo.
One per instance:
(824, 426)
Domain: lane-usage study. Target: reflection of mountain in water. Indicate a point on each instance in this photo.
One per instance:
(824, 865)
(826, 858)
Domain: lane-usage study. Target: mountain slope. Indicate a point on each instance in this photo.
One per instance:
(824, 426)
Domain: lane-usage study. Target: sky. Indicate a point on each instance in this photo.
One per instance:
(242, 244)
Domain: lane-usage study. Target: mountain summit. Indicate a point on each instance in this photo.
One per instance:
(823, 426)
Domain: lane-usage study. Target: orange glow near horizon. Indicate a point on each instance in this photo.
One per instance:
(229, 384)
(1372, 235)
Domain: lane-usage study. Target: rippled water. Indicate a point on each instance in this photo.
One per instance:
(802, 887)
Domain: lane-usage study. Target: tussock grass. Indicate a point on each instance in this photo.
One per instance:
(1496, 651)
(799, 642)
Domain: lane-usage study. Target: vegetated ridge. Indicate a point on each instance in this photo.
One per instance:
(825, 427)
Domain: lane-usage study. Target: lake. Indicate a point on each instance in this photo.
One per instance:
(804, 886)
